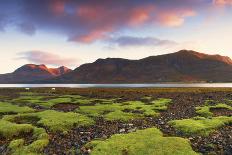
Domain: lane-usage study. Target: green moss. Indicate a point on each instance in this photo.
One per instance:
(54, 120)
(119, 115)
(32, 99)
(9, 129)
(208, 101)
(148, 141)
(55, 101)
(17, 147)
(28, 100)
(205, 110)
(221, 105)
(200, 125)
(37, 146)
(98, 109)
(126, 110)
(161, 103)
(15, 144)
(147, 98)
(10, 108)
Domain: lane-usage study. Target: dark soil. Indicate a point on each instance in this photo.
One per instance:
(221, 112)
(66, 107)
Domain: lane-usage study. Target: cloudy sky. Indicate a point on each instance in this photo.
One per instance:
(73, 32)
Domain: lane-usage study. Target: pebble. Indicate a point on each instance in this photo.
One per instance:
(122, 130)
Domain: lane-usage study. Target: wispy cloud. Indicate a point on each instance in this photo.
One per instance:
(27, 28)
(40, 57)
(91, 20)
(140, 41)
(88, 21)
(222, 2)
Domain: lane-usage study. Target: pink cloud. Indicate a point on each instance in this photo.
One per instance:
(40, 57)
(140, 15)
(174, 18)
(103, 20)
(222, 2)
(58, 7)
(88, 21)
(90, 37)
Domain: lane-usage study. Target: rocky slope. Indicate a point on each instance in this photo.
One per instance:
(31, 72)
(182, 66)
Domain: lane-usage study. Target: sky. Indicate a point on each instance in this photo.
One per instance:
(73, 32)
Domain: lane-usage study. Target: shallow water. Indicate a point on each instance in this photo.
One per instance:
(178, 85)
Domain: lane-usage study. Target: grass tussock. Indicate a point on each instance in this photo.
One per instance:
(200, 125)
(9, 130)
(149, 141)
(6, 108)
(126, 110)
(54, 120)
(18, 147)
(205, 110)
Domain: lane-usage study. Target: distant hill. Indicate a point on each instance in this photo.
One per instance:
(30, 73)
(181, 66)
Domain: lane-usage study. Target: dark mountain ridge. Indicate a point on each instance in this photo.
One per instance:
(181, 66)
(30, 73)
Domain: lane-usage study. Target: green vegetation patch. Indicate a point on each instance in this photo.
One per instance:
(54, 120)
(18, 147)
(126, 110)
(119, 115)
(98, 109)
(38, 100)
(7, 108)
(161, 103)
(200, 125)
(148, 141)
(9, 129)
(205, 110)
(32, 99)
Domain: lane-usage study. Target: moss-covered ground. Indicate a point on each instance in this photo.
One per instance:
(205, 110)
(29, 121)
(126, 110)
(9, 130)
(54, 120)
(8, 108)
(149, 141)
(200, 125)
(205, 123)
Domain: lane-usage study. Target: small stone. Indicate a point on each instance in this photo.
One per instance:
(132, 130)
(88, 150)
(122, 130)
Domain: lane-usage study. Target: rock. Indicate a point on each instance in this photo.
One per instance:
(190, 138)
(89, 151)
(132, 130)
(122, 130)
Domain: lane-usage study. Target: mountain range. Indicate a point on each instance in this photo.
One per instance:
(181, 66)
(31, 73)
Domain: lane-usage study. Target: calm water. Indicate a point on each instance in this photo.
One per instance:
(229, 85)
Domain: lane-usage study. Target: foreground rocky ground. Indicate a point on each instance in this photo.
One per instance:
(98, 124)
